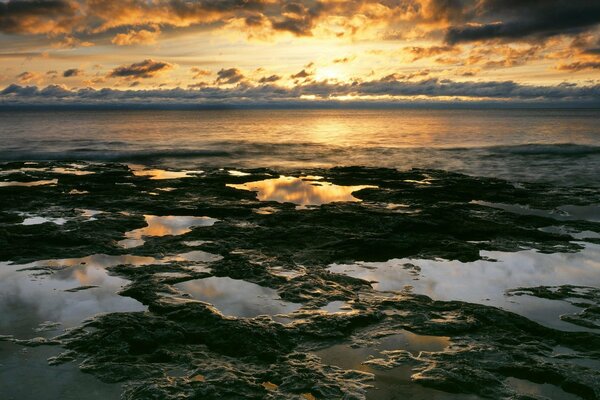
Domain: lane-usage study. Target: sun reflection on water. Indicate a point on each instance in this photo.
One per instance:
(164, 226)
(302, 191)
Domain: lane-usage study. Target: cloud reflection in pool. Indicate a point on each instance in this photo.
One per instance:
(163, 226)
(237, 298)
(486, 282)
(302, 191)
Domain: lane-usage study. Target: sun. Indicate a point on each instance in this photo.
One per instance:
(328, 73)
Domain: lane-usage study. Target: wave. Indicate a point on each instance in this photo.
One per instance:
(107, 155)
(559, 149)
(300, 152)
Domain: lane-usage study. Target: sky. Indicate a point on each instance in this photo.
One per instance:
(248, 52)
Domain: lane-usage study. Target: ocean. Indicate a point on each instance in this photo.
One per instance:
(300, 254)
(559, 146)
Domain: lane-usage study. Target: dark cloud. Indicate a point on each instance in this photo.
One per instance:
(302, 74)
(468, 20)
(38, 16)
(431, 89)
(229, 76)
(145, 69)
(580, 66)
(522, 19)
(269, 79)
(72, 72)
(298, 19)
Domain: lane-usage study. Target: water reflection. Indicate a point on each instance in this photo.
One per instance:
(163, 226)
(160, 174)
(562, 213)
(539, 390)
(25, 375)
(390, 383)
(34, 305)
(237, 298)
(303, 191)
(194, 256)
(485, 282)
(29, 184)
(37, 220)
(70, 171)
(31, 297)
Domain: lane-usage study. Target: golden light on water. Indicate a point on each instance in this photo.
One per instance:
(158, 226)
(302, 191)
(160, 174)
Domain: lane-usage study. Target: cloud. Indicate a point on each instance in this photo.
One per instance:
(302, 74)
(418, 53)
(269, 79)
(70, 42)
(379, 90)
(133, 37)
(29, 77)
(199, 72)
(343, 60)
(229, 76)
(72, 73)
(518, 20)
(145, 69)
(580, 66)
(50, 17)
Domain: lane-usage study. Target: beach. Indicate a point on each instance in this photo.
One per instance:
(309, 254)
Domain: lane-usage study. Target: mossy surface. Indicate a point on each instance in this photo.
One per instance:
(181, 348)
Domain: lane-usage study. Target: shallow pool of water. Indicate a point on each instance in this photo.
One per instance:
(486, 282)
(237, 298)
(302, 191)
(156, 226)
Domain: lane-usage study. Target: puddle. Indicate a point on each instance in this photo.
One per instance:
(266, 210)
(37, 220)
(392, 383)
(194, 243)
(30, 184)
(562, 213)
(544, 390)
(70, 171)
(21, 170)
(76, 192)
(160, 174)
(32, 306)
(163, 226)
(89, 214)
(238, 173)
(53, 290)
(25, 375)
(196, 256)
(578, 235)
(486, 282)
(303, 191)
(237, 298)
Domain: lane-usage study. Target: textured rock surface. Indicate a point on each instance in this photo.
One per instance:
(181, 348)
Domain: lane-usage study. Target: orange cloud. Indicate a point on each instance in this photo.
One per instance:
(146, 69)
(133, 37)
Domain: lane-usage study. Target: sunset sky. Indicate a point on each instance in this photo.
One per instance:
(294, 52)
